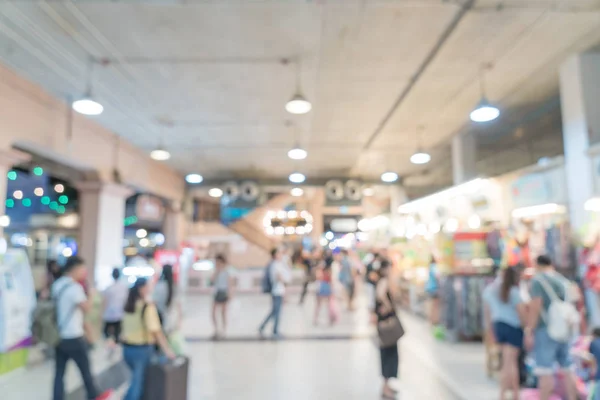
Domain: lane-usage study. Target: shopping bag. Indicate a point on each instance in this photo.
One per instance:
(177, 343)
(390, 330)
(167, 380)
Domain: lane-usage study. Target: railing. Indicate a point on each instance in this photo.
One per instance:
(253, 234)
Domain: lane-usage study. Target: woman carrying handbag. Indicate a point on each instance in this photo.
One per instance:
(389, 330)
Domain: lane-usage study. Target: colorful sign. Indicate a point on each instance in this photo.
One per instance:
(17, 301)
(530, 190)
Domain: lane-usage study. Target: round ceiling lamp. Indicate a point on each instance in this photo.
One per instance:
(215, 192)
(297, 192)
(297, 177)
(420, 157)
(297, 153)
(389, 177)
(160, 154)
(194, 178)
(484, 112)
(298, 105)
(87, 106)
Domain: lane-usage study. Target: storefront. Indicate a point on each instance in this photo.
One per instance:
(42, 218)
(539, 221)
(143, 238)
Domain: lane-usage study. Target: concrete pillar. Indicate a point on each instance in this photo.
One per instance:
(464, 152)
(580, 96)
(175, 226)
(397, 198)
(102, 210)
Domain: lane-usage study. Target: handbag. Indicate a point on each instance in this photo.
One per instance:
(390, 330)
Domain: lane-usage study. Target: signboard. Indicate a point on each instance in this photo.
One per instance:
(531, 190)
(17, 301)
(149, 208)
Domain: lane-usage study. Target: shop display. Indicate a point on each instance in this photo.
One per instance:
(17, 301)
(462, 305)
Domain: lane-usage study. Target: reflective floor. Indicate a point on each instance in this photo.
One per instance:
(323, 362)
(311, 362)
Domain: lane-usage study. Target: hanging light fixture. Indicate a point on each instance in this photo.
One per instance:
(87, 105)
(160, 153)
(194, 178)
(389, 177)
(298, 103)
(297, 153)
(420, 156)
(215, 192)
(297, 192)
(297, 177)
(485, 111)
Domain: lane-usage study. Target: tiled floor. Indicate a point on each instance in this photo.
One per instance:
(323, 362)
(319, 363)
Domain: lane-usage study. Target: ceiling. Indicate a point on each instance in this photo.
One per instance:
(209, 79)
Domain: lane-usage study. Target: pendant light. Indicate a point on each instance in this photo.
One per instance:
(160, 153)
(86, 105)
(296, 152)
(298, 104)
(420, 156)
(297, 177)
(389, 177)
(485, 111)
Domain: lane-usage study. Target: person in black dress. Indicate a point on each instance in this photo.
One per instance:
(384, 309)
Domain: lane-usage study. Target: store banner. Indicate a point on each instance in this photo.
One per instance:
(539, 188)
(149, 208)
(531, 190)
(17, 302)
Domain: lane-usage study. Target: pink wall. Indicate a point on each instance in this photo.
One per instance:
(33, 118)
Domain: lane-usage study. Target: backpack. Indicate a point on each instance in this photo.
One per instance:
(267, 284)
(45, 327)
(562, 318)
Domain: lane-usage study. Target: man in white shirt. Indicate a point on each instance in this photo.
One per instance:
(71, 304)
(280, 275)
(114, 298)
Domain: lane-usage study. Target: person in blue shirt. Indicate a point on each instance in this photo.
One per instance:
(432, 287)
(506, 312)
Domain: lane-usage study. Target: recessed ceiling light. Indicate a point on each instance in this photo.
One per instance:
(194, 178)
(389, 177)
(297, 153)
(420, 157)
(215, 192)
(297, 177)
(87, 106)
(297, 192)
(160, 154)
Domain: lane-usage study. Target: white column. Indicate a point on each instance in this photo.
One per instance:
(174, 226)
(397, 198)
(464, 151)
(580, 97)
(102, 210)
